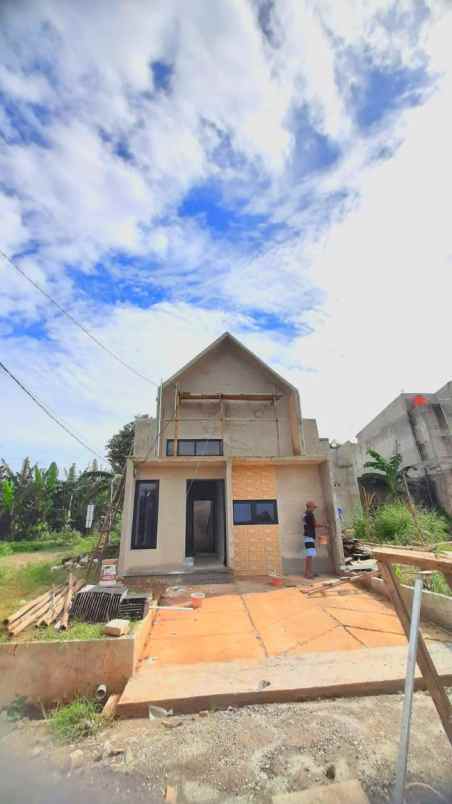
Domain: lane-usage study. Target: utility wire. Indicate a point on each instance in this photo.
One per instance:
(77, 323)
(47, 411)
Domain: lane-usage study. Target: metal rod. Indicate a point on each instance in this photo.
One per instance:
(399, 788)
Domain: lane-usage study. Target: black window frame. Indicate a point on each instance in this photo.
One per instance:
(253, 520)
(195, 442)
(152, 545)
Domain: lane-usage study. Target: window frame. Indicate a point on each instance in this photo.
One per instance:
(254, 520)
(195, 454)
(153, 539)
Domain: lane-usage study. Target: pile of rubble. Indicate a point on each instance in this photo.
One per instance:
(354, 550)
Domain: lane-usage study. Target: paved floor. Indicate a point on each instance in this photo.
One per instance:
(250, 620)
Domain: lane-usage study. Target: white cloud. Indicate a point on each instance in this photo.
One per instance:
(99, 156)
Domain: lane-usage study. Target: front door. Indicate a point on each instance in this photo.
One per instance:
(206, 532)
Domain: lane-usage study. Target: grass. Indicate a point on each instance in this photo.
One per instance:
(79, 719)
(73, 544)
(77, 630)
(392, 523)
(22, 584)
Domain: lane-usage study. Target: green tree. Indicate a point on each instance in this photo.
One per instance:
(119, 447)
(389, 469)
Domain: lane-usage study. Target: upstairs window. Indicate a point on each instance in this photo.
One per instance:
(145, 515)
(255, 512)
(195, 446)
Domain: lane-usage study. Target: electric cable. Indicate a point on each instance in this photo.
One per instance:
(48, 411)
(84, 329)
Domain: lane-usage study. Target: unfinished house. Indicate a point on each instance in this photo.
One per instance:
(219, 480)
(419, 427)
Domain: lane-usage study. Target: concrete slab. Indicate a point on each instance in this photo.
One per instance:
(342, 793)
(385, 623)
(191, 688)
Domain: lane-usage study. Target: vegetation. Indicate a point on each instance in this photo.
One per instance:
(24, 583)
(77, 630)
(389, 469)
(36, 502)
(120, 447)
(81, 718)
(393, 523)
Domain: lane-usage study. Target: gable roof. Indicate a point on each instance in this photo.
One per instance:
(225, 338)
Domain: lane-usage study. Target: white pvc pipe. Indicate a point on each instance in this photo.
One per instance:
(399, 788)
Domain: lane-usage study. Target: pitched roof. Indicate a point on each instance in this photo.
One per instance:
(218, 342)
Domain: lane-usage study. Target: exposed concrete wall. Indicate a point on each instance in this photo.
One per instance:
(264, 429)
(435, 607)
(335, 546)
(344, 469)
(388, 433)
(58, 671)
(171, 527)
(145, 438)
(296, 485)
(311, 437)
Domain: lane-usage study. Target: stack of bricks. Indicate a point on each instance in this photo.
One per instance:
(256, 547)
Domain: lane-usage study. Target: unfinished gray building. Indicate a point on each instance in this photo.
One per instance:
(419, 427)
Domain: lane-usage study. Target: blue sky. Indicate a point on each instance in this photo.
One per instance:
(276, 169)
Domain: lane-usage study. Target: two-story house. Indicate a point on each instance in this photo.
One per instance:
(221, 476)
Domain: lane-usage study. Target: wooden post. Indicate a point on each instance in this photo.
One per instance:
(424, 659)
(176, 419)
(274, 403)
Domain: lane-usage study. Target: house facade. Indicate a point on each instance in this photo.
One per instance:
(221, 476)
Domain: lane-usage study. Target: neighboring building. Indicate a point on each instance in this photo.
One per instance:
(419, 427)
(222, 475)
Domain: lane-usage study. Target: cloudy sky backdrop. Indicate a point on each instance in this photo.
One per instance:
(173, 169)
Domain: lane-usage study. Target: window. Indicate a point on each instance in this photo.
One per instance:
(195, 446)
(255, 512)
(145, 515)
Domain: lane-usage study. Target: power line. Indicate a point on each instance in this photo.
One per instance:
(48, 412)
(77, 323)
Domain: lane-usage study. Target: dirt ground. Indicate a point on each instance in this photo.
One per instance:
(238, 755)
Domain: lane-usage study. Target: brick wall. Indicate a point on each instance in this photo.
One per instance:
(256, 547)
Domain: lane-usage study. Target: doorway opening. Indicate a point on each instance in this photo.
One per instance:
(206, 522)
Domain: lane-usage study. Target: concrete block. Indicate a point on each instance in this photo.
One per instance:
(343, 793)
(117, 628)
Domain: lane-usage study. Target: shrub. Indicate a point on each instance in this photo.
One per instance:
(78, 719)
(5, 549)
(393, 523)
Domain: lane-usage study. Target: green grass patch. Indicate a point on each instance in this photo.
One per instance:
(79, 719)
(392, 523)
(71, 542)
(76, 630)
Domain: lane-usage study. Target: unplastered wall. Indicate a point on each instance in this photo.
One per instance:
(265, 430)
(256, 548)
(171, 527)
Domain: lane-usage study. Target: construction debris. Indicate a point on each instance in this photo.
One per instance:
(117, 628)
(134, 607)
(109, 710)
(98, 604)
(354, 550)
(44, 609)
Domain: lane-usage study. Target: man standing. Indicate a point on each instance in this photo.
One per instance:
(309, 538)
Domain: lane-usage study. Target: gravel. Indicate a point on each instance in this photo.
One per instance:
(250, 754)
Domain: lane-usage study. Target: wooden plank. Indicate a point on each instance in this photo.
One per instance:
(424, 659)
(27, 607)
(187, 397)
(416, 558)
